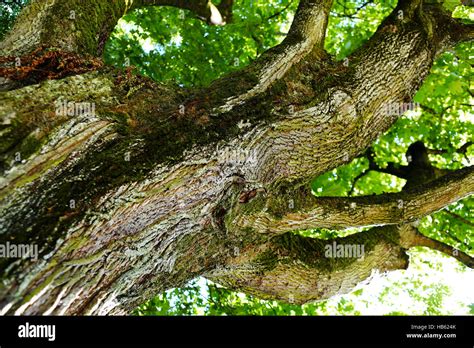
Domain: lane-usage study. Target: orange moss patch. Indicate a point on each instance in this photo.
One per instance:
(46, 64)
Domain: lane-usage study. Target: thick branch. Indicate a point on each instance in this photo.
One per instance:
(297, 269)
(306, 34)
(347, 110)
(298, 210)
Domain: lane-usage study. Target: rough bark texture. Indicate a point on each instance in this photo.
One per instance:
(158, 185)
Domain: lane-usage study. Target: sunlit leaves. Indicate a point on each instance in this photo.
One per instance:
(180, 301)
(453, 226)
(172, 45)
(352, 22)
(465, 12)
(206, 298)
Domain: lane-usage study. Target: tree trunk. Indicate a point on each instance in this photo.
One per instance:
(130, 187)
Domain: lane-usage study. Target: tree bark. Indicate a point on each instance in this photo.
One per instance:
(130, 187)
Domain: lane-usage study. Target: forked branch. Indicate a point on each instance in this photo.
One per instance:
(298, 209)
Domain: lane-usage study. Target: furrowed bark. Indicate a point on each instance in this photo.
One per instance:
(297, 209)
(135, 196)
(299, 270)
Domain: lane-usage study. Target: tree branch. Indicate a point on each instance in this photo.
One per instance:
(356, 179)
(306, 34)
(392, 169)
(462, 150)
(387, 70)
(298, 269)
(299, 210)
(400, 55)
(354, 13)
(411, 237)
(459, 217)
